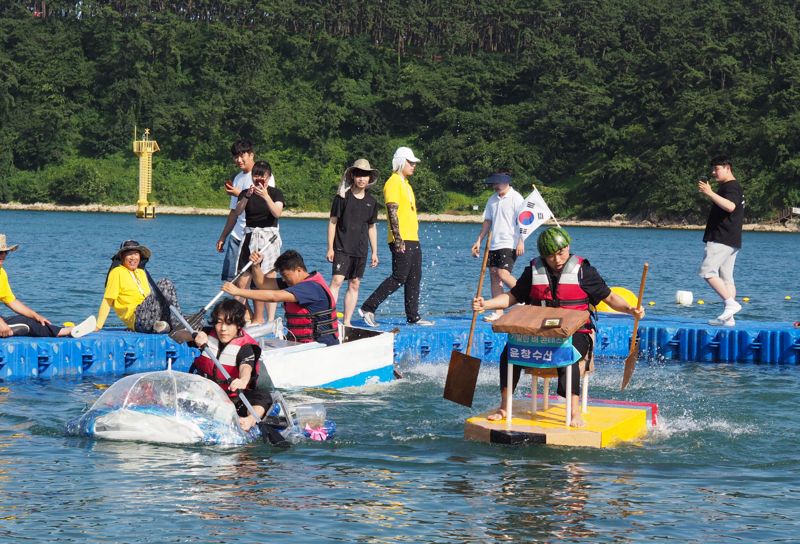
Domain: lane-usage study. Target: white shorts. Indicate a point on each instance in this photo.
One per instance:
(718, 261)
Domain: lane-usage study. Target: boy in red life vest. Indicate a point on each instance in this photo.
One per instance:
(238, 353)
(309, 306)
(557, 279)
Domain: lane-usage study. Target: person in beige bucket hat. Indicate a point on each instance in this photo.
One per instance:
(352, 227)
(28, 322)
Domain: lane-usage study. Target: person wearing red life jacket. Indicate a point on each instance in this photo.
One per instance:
(556, 278)
(309, 306)
(238, 353)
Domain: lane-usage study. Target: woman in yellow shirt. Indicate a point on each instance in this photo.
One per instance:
(128, 292)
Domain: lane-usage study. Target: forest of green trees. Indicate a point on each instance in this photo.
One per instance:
(609, 106)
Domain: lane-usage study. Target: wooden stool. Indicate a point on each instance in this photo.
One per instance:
(547, 374)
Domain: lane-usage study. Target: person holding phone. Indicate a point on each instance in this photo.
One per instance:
(261, 206)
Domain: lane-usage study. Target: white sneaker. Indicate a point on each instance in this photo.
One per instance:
(160, 327)
(730, 311)
(423, 322)
(369, 318)
(84, 327)
(722, 323)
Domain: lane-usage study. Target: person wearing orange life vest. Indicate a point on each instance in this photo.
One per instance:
(308, 304)
(238, 353)
(558, 279)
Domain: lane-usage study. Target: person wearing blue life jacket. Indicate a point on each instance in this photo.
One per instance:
(309, 306)
(556, 278)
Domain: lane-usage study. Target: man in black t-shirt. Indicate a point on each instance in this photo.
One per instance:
(351, 229)
(723, 236)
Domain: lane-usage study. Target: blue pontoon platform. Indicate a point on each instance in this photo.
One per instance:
(117, 352)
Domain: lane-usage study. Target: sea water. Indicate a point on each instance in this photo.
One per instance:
(720, 467)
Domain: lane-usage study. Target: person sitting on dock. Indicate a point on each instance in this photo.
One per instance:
(128, 292)
(308, 304)
(28, 322)
(557, 279)
(238, 353)
(351, 231)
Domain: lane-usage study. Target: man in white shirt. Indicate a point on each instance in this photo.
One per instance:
(505, 245)
(244, 158)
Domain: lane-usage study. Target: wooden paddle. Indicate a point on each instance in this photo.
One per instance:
(630, 362)
(462, 374)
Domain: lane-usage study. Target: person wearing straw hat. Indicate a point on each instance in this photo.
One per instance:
(403, 231)
(351, 230)
(500, 217)
(557, 278)
(28, 322)
(128, 292)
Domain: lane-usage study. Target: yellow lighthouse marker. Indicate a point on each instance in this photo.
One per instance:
(144, 149)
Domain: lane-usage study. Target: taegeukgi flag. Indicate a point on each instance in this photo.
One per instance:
(533, 214)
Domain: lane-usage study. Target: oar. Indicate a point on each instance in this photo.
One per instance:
(630, 362)
(462, 374)
(196, 319)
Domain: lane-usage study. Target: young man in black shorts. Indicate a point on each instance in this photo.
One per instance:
(352, 227)
(506, 245)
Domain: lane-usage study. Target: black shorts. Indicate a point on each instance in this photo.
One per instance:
(256, 397)
(502, 258)
(348, 266)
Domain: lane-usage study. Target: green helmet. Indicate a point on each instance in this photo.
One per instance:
(552, 240)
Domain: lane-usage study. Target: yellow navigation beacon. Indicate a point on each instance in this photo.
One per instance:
(144, 149)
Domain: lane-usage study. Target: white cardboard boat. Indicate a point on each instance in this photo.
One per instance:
(365, 356)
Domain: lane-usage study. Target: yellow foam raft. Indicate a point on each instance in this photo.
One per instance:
(606, 426)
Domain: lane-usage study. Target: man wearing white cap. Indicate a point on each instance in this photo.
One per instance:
(401, 211)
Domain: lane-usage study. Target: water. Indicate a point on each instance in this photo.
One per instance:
(721, 467)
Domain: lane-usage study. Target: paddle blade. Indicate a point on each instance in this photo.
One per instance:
(196, 319)
(462, 377)
(630, 366)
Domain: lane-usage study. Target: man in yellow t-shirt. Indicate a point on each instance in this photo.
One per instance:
(401, 211)
(27, 322)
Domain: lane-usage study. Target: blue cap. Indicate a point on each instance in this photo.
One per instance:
(494, 179)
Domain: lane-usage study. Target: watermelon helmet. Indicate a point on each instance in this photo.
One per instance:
(552, 240)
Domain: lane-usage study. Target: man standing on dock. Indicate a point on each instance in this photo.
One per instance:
(401, 212)
(723, 236)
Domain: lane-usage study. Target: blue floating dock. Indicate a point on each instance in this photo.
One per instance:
(117, 352)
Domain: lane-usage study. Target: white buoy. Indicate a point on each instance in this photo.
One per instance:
(684, 298)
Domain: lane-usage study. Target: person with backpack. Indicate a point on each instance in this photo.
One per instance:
(128, 291)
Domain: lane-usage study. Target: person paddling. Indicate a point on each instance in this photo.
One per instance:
(308, 304)
(238, 353)
(28, 322)
(556, 278)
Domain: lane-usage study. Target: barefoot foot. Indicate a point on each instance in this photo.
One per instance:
(499, 414)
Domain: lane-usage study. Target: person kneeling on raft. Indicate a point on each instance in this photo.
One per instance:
(557, 279)
(238, 353)
(308, 304)
(26, 322)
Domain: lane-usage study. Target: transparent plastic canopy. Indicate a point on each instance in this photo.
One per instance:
(165, 407)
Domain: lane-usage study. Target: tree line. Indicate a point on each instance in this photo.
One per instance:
(609, 106)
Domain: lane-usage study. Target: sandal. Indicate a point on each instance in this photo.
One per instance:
(497, 416)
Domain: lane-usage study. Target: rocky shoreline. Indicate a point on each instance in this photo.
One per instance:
(616, 221)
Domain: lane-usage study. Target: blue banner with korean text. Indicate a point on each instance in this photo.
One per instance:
(540, 351)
